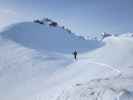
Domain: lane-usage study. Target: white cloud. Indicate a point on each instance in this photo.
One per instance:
(6, 11)
(6, 16)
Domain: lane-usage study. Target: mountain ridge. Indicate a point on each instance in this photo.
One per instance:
(51, 38)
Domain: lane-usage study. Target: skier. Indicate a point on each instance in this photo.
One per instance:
(75, 54)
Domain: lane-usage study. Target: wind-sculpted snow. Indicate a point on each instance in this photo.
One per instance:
(102, 89)
(44, 37)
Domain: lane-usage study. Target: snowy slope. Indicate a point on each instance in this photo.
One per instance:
(104, 89)
(115, 55)
(24, 71)
(36, 64)
(31, 54)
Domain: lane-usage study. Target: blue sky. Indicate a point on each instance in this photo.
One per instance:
(81, 16)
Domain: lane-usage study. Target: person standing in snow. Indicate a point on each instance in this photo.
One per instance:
(75, 54)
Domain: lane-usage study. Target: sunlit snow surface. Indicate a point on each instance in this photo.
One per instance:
(36, 64)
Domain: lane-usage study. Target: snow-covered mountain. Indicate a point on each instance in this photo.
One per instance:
(36, 64)
(127, 35)
(48, 38)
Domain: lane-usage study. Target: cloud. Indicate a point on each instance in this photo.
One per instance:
(9, 12)
(6, 16)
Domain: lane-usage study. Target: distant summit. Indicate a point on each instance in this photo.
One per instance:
(46, 21)
(105, 34)
(49, 22)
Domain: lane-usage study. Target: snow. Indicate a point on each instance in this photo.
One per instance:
(36, 64)
(104, 89)
(126, 35)
(48, 38)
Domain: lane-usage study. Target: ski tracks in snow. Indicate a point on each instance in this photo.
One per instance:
(106, 65)
(103, 65)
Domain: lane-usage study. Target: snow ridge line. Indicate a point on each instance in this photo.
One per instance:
(106, 65)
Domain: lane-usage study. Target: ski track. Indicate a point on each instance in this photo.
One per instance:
(106, 65)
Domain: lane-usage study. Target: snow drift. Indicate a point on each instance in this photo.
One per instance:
(104, 89)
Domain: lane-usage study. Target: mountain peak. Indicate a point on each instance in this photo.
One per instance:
(49, 37)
